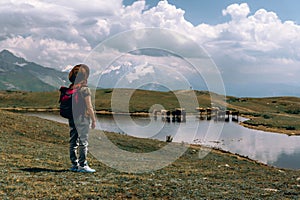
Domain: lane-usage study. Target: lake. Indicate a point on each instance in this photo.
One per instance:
(274, 149)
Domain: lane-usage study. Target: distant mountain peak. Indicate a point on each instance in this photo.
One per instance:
(5, 52)
(18, 74)
(9, 57)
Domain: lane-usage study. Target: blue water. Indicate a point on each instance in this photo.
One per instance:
(270, 148)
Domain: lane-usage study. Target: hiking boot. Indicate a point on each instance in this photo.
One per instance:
(85, 169)
(74, 168)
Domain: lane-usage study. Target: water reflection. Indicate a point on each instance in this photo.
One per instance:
(270, 148)
(274, 149)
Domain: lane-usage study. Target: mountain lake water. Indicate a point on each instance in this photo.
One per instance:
(273, 149)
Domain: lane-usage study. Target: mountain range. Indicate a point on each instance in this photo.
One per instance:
(16, 73)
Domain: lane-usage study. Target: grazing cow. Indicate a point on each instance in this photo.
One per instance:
(201, 111)
(169, 138)
(165, 115)
(235, 116)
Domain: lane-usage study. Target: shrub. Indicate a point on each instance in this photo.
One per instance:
(265, 116)
(290, 128)
(295, 111)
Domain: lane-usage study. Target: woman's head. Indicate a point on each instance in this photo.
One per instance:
(79, 73)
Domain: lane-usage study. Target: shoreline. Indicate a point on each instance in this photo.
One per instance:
(35, 158)
(144, 114)
(192, 146)
(269, 129)
(52, 110)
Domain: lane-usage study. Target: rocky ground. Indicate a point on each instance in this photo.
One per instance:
(34, 165)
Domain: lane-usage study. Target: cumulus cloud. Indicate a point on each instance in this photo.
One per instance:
(255, 49)
(54, 33)
(62, 33)
(139, 72)
(236, 11)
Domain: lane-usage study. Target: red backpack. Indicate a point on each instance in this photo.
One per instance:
(71, 103)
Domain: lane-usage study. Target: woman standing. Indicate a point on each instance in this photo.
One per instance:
(80, 123)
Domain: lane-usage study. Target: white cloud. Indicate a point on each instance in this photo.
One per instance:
(92, 8)
(58, 33)
(54, 33)
(139, 72)
(261, 36)
(237, 12)
(111, 68)
(45, 50)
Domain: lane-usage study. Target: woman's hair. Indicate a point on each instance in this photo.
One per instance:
(79, 74)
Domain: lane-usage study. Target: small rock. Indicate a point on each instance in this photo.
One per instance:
(270, 189)
(226, 165)
(158, 185)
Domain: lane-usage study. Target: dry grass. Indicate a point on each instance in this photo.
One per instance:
(34, 163)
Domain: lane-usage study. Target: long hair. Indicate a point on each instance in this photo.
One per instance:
(78, 75)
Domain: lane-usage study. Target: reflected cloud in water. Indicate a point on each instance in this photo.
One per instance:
(270, 148)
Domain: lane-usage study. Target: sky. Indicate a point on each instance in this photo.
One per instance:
(255, 44)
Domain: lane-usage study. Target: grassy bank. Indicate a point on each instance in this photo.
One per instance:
(277, 114)
(34, 163)
(140, 100)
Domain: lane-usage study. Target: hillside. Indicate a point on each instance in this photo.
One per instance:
(18, 74)
(141, 100)
(278, 114)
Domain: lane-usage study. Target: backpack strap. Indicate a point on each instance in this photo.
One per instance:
(62, 90)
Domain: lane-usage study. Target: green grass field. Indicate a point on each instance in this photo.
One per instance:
(278, 113)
